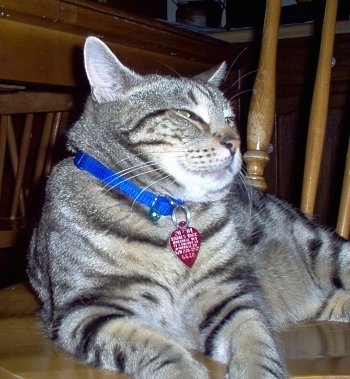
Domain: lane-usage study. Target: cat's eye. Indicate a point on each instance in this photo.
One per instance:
(190, 115)
(184, 113)
(195, 119)
(230, 120)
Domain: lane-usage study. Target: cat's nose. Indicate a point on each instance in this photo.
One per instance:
(232, 145)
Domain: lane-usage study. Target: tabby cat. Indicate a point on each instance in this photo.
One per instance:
(155, 175)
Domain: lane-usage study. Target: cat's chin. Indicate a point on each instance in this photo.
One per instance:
(204, 185)
(209, 186)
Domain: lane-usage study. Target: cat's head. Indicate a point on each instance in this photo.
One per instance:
(183, 127)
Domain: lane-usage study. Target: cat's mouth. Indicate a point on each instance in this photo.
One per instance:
(202, 178)
(229, 164)
(212, 169)
(217, 160)
(206, 181)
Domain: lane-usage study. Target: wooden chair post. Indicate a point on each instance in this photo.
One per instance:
(319, 110)
(343, 224)
(262, 106)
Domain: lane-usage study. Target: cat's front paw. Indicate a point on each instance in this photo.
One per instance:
(337, 307)
(252, 372)
(180, 368)
(263, 367)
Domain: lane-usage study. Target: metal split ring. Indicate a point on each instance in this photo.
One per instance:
(181, 224)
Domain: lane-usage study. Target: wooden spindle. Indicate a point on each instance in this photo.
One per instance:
(262, 105)
(55, 127)
(18, 196)
(12, 148)
(319, 110)
(343, 224)
(3, 141)
(42, 151)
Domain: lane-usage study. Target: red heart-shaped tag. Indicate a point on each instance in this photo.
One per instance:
(185, 242)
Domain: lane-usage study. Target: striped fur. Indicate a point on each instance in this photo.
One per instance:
(112, 292)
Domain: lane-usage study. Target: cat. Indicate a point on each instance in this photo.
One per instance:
(150, 244)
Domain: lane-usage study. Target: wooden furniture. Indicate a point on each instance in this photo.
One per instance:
(262, 105)
(262, 110)
(41, 43)
(29, 125)
(317, 129)
(47, 36)
(343, 223)
(296, 66)
(261, 114)
(294, 93)
(319, 111)
(317, 351)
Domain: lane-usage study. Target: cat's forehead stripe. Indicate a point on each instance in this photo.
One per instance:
(192, 96)
(202, 111)
(201, 91)
(196, 94)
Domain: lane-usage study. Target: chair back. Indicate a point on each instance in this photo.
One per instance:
(262, 111)
(30, 122)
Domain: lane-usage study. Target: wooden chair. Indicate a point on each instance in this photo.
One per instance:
(313, 351)
(262, 113)
(29, 125)
(318, 350)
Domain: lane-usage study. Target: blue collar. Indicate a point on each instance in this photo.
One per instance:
(158, 205)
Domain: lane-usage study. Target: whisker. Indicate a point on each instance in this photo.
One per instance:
(234, 61)
(179, 153)
(158, 179)
(110, 185)
(132, 177)
(240, 78)
(247, 188)
(127, 171)
(138, 166)
(170, 68)
(241, 93)
(243, 178)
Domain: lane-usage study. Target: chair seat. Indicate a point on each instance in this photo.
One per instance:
(319, 350)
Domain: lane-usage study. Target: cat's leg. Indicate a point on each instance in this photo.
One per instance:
(337, 305)
(244, 340)
(340, 260)
(326, 258)
(105, 338)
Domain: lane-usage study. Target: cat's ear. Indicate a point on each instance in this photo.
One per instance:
(213, 76)
(108, 77)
